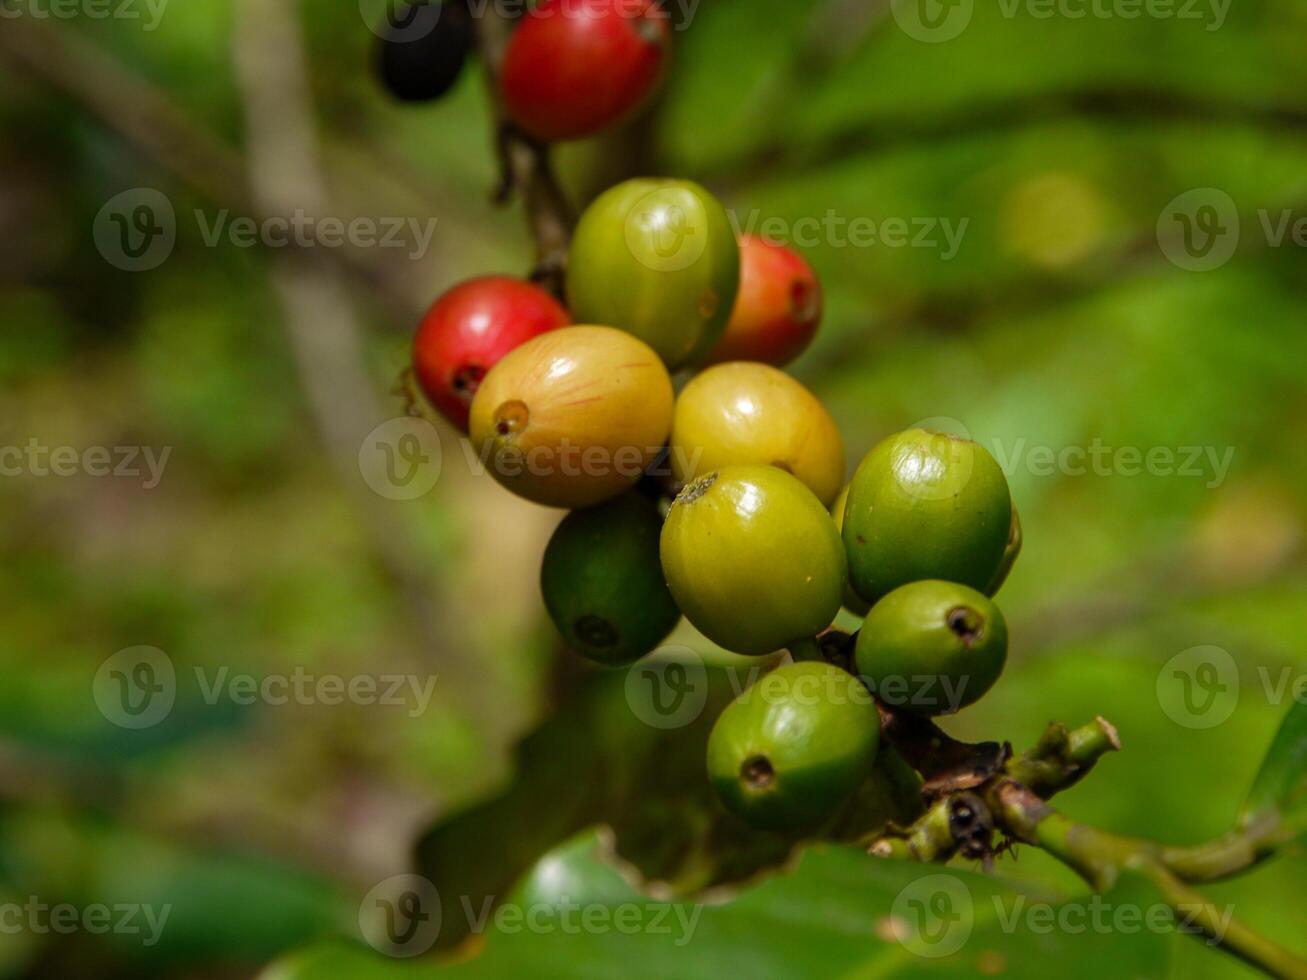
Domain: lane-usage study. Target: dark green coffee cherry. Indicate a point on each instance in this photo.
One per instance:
(423, 47)
(790, 750)
(925, 505)
(1010, 553)
(603, 584)
(932, 647)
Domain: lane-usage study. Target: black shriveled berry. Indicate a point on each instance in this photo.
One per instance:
(423, 47)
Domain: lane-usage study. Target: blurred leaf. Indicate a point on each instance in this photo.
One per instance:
(1281, 783)
(839, 913)
(596, 762)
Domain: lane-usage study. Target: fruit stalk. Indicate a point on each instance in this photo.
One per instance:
(525, 164)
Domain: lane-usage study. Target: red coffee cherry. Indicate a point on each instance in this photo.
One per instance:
(575, 67)
(469, 329)
(778, 308)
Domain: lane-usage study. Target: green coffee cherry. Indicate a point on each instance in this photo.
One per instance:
(932, 647)
(753, 559)
(853, 602)
(789, 751)
(657, 258)
(603, 584)
(1010, 553)
(925, 505)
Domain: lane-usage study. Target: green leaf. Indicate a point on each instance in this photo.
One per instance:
(597, 762)
(839, 913)
(1281, 783)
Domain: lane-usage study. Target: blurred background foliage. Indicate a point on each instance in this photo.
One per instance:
(1057, 323)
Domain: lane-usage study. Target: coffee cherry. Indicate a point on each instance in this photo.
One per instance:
(657, 258)
(789, 751)
(925, 505)
(423, 48)
(573, 417)
(573, 69)
(853, 602)
(744, 412)
(753, 559)
(1010, 553)
(603, 584)
(932, 647)
(778, 309)
(469, 329)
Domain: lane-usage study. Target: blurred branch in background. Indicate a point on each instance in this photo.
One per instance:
(286, 177)
(166, 133)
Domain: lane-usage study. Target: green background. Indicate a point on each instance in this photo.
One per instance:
(1059, 322)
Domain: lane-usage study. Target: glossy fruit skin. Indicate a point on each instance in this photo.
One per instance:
(603, 584)
(925, 505)
(573, 69)
(469, 329)
(1010, 554)
(657, 258)
(932, 647)
(573, 417)
(753, 559)
(788, 757)
(853, 602)
(749, 413)
(422, 49)
(778, 309)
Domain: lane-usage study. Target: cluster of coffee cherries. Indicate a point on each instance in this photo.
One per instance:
(572, 68)
(751, 533)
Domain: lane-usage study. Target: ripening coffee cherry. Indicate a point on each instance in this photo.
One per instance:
(778, 309)
(423, 47)
(603, 584)
(1010, 553)
(657, 258)
(925, 505)
(573, 417)
(469, 329)
(753, 559)
(789, 751)
(932, 647)
(573, 69)
(853, 602)
(750, 413)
